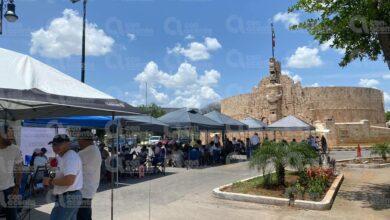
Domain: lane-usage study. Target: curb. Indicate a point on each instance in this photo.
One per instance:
(366, 166)
(348, 149)
(361, 166)
(325, 204)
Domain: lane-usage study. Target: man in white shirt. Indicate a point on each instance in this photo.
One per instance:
(91, 160)
(68, 180)
(10, 161)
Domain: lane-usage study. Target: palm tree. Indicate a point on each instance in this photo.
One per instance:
(382, 150)
(300, 155)
(280, 155)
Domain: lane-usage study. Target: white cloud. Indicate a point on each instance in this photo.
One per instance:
(327, 45)
(132, 37)
(315, 85)
(368, 83)
(212, 44)
(387, 97)
(196, 51)
(62, 38)
(287, 18)
(185, 88)
(210, 78)
(386, 76)
(304, 57)
(296, 78)
(189, 37)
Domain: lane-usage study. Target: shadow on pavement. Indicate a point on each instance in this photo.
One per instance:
(36, 214)
(375, 196)
(125, 181)
(46, 197)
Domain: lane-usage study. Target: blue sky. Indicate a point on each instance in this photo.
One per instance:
(190, 52)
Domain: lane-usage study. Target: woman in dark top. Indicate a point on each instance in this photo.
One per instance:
(324, 145)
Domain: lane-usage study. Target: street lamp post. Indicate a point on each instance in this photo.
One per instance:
(9, 15)
(83, 39)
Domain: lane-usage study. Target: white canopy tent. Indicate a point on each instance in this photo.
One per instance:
(254, 124)
(32, 89)
(290, 123)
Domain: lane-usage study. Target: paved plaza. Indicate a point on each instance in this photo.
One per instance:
(186, 194)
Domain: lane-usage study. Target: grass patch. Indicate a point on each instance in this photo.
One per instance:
(256, 186)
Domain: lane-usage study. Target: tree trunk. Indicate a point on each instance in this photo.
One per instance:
(384, 41)
(281, 172)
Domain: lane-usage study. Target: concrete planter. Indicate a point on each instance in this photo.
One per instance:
(325, 204)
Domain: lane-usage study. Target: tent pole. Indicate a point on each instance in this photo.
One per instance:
(117, 151)
(112, 179)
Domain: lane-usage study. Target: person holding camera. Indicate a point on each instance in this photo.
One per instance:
(68, 180)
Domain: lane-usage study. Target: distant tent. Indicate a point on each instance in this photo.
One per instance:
(290, 123)
(187, 118)
(225, 120)
(144, 122)
(144, 119)
(254, 124)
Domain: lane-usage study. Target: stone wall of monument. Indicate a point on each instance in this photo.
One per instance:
(350, 115)
(343, 104)
(256, 105)
(354, 133)
(237, 107)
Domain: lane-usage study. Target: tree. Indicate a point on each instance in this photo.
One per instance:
(215, 106)
(280, 155)
(360, 27)
(274, 153)
(381, 149)
(301, 155)
(387, 116)
(152, 110)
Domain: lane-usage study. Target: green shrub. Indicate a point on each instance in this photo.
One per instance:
(381, 149)
(316, 188)
(280, 155)
(290, 193)
(303, 177)
(300, 189)
(267, 180)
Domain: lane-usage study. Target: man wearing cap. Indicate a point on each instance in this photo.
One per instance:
(11, 162)
(92, 161)
(68, 180)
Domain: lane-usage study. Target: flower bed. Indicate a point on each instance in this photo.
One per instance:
(250, 191)
(310, 185)
(312, 188)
